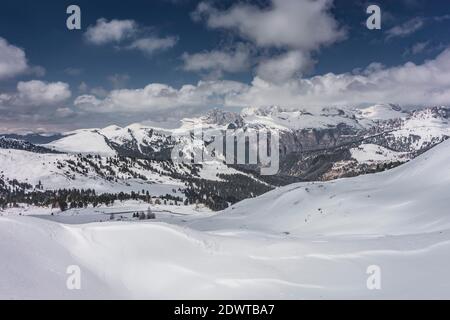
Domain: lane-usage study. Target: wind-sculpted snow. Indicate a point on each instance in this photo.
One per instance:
(309, 240)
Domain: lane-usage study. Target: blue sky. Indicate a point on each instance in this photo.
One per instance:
(174, 58)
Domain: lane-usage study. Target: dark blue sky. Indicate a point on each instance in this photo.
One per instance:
(38, 27)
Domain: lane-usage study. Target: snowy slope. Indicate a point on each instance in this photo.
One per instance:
(35, 260)
(161, 261)
(412, 198)
(86, 141)
(309, 240)
(282, 119)
(372, 153)
(55, 171)
(381, 112)
(58, 171)
(425, 126)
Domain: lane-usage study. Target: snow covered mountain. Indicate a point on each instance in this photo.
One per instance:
(328, 144)
(301, 131)
(304, 241)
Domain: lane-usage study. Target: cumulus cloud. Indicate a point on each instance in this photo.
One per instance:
(34, 104)
(219, 61)
(162, 98)
(300, 24)
(12, 60)
(284, 67)
(153, 44)
(105, 31)
(297, 28)
(36, 93)
(127, 34)
(407, 85)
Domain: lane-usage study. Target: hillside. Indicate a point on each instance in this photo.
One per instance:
(409, 199)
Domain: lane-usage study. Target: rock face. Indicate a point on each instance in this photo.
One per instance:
(308, 140)
(219, 117)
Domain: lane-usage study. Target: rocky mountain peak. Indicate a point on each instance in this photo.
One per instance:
(220, 117)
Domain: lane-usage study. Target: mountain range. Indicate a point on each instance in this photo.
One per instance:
(325, 145)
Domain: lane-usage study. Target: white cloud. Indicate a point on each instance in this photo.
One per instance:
(287, 66)
(128, 31)
(405, 29)
(36, 93)
(153, 44)
(295, 28)
(161, 97)
(407, 85)
(105, 31)
(219, 61)
(299, 24)
(12, 60)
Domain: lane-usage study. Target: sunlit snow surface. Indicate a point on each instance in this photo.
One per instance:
(308, 240)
